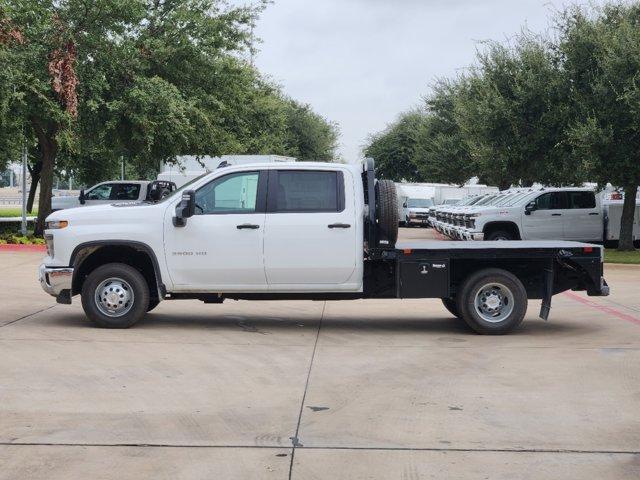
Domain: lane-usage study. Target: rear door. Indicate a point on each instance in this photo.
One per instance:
(583, 219)
(546, 221)
(310, 235)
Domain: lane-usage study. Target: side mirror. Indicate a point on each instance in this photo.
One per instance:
(82, 198)
(404, 205)
(531, 207)
(185, 209)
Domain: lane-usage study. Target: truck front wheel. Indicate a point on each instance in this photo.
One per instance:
(115, 295)
(499, 235)
(492, 301)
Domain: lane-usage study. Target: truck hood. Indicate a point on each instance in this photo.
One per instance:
(107, 213)
(418, 210)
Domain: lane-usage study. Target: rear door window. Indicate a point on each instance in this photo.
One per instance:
(293, 191)
(551, 201)
(582, 200)
(125, 191)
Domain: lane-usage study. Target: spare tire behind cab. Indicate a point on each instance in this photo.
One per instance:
(387, 211)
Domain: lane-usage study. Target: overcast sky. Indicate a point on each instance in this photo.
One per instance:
(361, 62)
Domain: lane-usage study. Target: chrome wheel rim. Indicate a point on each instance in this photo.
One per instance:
(494, 302)
(114, 297)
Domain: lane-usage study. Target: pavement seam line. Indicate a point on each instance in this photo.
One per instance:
(295, 439)
(27, 316)
(374, 449)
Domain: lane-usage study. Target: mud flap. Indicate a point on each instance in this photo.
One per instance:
(547, 291)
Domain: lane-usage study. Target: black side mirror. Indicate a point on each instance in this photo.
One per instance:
(185, 209)
(531, 207)
(82, 198)
(404, 205)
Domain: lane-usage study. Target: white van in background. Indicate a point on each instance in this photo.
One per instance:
(425, 195)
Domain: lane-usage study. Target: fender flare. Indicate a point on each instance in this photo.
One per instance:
(75, 261)
(511, 224)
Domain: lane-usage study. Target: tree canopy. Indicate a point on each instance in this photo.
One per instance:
(91, 82)
(558, 111)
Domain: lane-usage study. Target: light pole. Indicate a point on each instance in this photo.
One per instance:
(23, 228)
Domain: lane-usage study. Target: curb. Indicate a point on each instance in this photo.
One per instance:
(22, 248)
(621, 266)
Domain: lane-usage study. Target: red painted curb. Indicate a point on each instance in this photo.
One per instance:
(22, 248)
(603, 308)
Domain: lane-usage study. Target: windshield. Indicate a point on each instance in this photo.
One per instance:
(179, 190)
(516, 199)
(503, 200)
(419, 203)
(486, 200)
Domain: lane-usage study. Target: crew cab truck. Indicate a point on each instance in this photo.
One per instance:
(570, 213)
(317, 231)
(115, 192)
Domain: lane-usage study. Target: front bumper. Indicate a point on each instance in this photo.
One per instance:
(56, 281)
(418, 221)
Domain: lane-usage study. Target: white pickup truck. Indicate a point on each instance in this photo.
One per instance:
(115, 192)
(542, 214)
(317, 231)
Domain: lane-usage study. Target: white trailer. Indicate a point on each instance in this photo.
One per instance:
(613, 216)
(189, 167)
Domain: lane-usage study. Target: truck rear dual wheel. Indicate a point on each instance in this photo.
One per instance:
(492, 301)
(115, 295)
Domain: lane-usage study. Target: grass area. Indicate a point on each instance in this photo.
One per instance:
(613, 256)
(15, 212)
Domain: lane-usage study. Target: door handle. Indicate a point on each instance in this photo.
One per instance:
(339, 225)
(247, 226)
(594, 213)
(556, 214)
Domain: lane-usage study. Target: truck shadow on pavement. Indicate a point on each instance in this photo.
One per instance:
(272, 325)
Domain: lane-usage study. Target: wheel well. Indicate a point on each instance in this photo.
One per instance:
(510, 227)
(529, 272)
(89, 258)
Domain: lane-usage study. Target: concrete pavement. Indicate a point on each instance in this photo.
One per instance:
(362, 389)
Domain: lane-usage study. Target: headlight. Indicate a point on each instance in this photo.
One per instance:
(56, 224)
(49, 241)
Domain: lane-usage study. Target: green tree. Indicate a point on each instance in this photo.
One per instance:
(601, 53)
(514, 113)
(143, 80)
(310, 137)
(394, 149)
(442, 152)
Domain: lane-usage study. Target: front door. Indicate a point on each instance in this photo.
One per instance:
(220, 248)
(546, 221)
(310, 235)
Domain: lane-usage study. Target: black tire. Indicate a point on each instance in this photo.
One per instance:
(387, 210)
(499, 235)
(474, 284)
(452, 306)
(133, 279)
(153, 303)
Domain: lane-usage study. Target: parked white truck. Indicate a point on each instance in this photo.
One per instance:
(115, 192)
(316, 231)
(542, 214)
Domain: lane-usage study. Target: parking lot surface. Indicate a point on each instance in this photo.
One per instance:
(373, 389)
